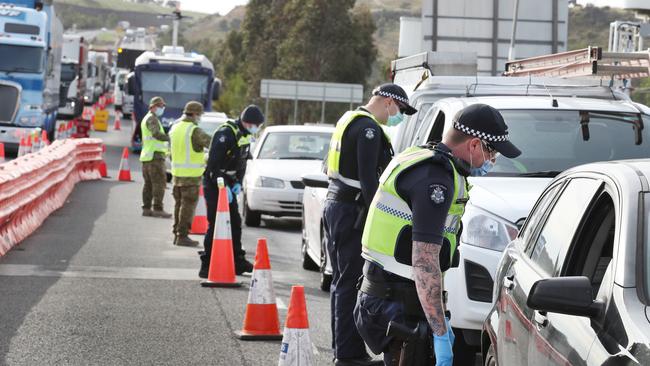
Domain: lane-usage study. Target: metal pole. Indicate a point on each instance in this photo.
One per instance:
(295, 111)
(515, 18)
(322, 111)
(175, 34)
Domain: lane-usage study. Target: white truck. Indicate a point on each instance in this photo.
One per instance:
(74, 71)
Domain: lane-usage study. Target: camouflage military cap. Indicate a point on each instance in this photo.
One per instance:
(193, 108)
(156, 100)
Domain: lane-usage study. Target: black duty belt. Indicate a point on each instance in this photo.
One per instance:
(349, 196)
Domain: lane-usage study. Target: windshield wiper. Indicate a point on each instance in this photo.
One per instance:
(298, 158)
(542, 174)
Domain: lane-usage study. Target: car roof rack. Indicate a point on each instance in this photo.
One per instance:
(590, 62)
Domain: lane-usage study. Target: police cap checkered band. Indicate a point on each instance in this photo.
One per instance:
(480, 134)
(390, 95)
(396, 93)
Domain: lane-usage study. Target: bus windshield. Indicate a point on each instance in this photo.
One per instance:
(23, 59)
(176, 88)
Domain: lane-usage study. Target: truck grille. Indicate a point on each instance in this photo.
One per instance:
(479, 282)
(9, 95)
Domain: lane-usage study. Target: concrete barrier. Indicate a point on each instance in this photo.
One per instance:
(35, 185)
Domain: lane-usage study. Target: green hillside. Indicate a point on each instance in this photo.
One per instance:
(121, 5)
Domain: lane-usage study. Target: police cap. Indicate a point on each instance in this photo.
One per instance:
(486, 123)
(156, 100)
(398, 94)
(252, 114)
(193, 108)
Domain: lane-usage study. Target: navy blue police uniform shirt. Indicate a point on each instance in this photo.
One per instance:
(428, 189)
(365, 154)
(224, 154)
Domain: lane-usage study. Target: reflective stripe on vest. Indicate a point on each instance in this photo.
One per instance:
(334, 154)
(185, 161)
(150, 144)
(389, 214)
(243, 140)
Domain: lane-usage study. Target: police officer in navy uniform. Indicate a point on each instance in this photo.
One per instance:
(227, 158)
(410, 237)
(359, 152)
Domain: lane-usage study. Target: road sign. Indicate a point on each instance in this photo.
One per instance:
(101, 120)
(310, 91)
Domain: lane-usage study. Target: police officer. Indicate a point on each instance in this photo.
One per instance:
(152, 156)
(188, 164)
(411, 232)
(359, 151)
(229, 151)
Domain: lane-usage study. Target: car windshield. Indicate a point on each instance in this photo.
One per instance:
(295, 145)
(23, 59)
(176, 88)
(68, 72)
(553, 141)
(210, 127)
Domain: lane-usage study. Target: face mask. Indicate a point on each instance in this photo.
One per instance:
(254, 129)
(160, 111)
(483, 169)
(395, 119)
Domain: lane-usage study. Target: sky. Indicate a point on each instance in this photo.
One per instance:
(211, 6)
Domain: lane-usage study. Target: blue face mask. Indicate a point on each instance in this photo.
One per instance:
(254, 129)
(395, 120)
(160, 111)
(483, 170)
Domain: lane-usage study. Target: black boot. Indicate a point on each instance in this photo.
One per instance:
(242, 266)
(205, 265)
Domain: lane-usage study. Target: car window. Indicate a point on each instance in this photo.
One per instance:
(295, 145)
(563, 220)
(422, 134)
(553, 140)
(539, 213)
(417, 122)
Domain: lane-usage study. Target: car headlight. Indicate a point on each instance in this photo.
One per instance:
(485, 230)
(267, 182)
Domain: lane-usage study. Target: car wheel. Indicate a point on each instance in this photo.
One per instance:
(325, 279)
(464, 354)
(251, 218)
(491, 357)
(307, 262)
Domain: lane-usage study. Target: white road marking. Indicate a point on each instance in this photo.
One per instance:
(141, 273)
(280, 303)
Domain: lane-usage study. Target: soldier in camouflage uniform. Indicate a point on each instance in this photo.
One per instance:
(188, 164)
(154, 151)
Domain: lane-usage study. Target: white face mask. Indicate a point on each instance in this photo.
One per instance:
(253, 129)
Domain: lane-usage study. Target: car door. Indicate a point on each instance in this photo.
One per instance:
(514, 324)
(547, 343)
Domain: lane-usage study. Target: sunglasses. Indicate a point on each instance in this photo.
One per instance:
(490, 149)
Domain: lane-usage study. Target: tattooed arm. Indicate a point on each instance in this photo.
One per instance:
(428, 282)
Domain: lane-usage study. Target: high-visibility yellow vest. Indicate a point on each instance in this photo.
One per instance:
(334, 154)
(150, 144)
(390, 219)
(243, 140)
(185, 161)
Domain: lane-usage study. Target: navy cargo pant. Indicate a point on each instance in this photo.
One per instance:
(211, 194)
(344, 248)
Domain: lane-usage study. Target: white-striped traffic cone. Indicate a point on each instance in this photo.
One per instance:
(261, 321)
(200, 221)
(296, 344)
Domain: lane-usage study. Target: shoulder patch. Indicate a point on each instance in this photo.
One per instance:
(222, 138)
(370, 133)
(437, 193)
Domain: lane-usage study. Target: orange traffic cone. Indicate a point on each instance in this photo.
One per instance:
(118, 126)
(44, 140)
(296, 345)
(103, 171)
(36, 145)
(200, 222)
(125, 172)
(28, 144)
(2, 152)
(222, 259)
(261, 321)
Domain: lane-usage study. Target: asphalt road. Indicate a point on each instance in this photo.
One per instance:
(98, 284)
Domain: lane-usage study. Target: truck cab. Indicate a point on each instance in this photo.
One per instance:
(32, 38)
(73, 76)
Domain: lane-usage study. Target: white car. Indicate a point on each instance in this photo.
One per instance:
(314, 242)
(273, 184)
(554, 134)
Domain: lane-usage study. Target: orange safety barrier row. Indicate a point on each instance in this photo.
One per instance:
(37, 184)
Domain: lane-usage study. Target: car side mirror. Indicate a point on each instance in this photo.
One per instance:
(565, 295)
(315, 180)
(131, 85)
(216, 89)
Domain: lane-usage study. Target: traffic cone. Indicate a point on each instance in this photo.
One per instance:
(200, 222)
(296, 346)
(2, 152)
(36, 145)
(261, 321)
(118, 126)
(222, 260)
(22, 147)
(28, 144)
(44, 140)
(103, 171)
(69, 132)
(125, 172)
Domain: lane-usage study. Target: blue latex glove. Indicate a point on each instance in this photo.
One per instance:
(229, 194)
(236, 189)
(443, 347)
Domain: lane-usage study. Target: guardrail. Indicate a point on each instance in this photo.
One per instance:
(35, 185)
